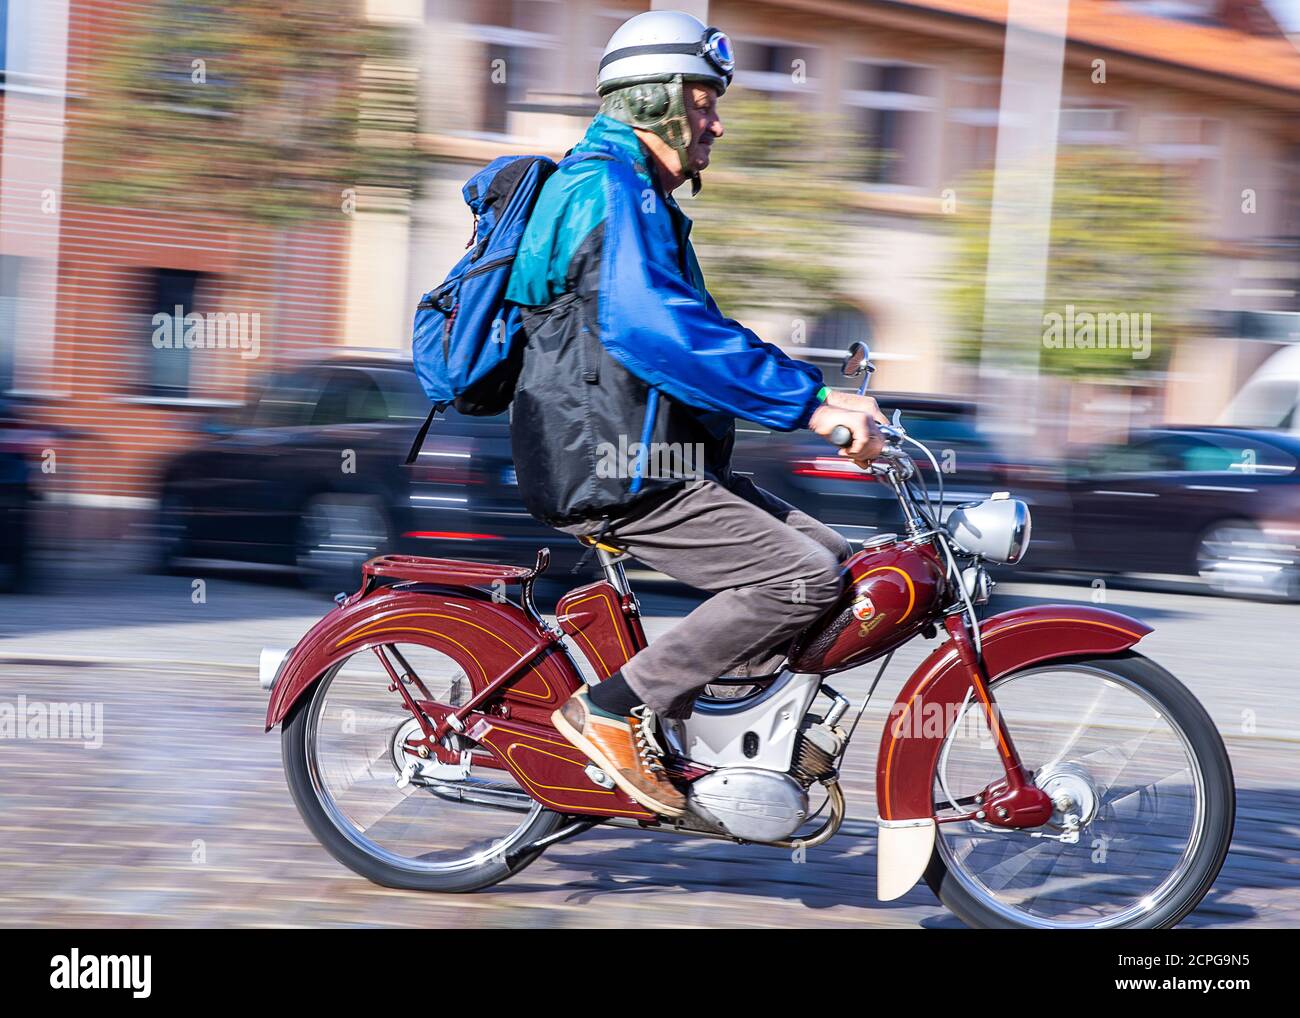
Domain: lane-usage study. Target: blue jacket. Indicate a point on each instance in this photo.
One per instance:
(625, 343)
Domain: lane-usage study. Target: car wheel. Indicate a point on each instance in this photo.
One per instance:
(337, 533)
(171, 540)
(1235, 557)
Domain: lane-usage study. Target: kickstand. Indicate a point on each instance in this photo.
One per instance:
(579, 826)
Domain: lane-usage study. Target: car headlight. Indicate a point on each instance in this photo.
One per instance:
(997, 529)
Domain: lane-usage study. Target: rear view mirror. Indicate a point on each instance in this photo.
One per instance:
(857, 361)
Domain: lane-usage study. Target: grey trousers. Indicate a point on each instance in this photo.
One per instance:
(771, 568)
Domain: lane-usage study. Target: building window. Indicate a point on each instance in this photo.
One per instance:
(171, 294)
(893, 107)
(786, 68)
(1086, 122)
(839, 326)
(517, 42)
(10, 269)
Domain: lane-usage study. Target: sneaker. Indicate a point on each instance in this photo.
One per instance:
(623, 750)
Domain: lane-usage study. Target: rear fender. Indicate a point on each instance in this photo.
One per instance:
(483, 636)
(911, 741)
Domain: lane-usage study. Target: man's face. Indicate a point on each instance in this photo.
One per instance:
(702, 113)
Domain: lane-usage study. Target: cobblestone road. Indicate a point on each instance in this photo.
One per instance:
(182, 816)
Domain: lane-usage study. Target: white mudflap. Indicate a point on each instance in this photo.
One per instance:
(903, 850)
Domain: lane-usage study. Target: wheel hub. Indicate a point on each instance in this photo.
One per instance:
(415, 768)
(1073, 794)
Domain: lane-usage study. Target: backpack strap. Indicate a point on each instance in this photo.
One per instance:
(418, 444)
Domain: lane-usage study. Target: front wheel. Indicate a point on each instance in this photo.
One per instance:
(1144, 801)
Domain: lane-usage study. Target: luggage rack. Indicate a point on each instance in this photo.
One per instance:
(449, 572)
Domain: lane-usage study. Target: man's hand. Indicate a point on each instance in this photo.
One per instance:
(867, 440)
(860, 404)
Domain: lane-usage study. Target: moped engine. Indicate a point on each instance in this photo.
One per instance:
(750, 803)
(816, 752)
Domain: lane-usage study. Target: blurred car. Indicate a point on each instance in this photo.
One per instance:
(1270, 399)
(804, 470)
(1219, 503)
(311, 474)
(18, 445)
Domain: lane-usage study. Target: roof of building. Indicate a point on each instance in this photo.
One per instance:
(1264, 58)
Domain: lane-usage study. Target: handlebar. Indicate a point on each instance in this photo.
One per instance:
(843, 437)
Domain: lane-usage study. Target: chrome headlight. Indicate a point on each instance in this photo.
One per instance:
(996, 529)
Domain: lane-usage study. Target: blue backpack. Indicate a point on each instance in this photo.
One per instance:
(464, 345)
(467, 344)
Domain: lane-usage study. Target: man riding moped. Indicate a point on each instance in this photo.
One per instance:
(627, 353)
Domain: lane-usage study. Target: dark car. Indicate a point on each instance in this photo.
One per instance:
(804, 470)
(311, 474)
(17, 448)
(1219, 503)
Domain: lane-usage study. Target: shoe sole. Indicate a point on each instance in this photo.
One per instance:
(598, 758)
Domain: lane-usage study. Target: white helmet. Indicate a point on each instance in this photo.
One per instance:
(659, 46)
(646, 64)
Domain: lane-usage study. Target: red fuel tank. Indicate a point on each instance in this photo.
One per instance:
(892, 591)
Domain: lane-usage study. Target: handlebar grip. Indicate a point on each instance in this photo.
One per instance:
(841, 436)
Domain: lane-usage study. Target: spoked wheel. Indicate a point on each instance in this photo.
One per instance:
(1143, 791)
(387, 814)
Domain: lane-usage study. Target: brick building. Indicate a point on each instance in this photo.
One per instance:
(79, 283)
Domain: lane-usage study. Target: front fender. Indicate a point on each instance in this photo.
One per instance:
(909, 749)
(484, 637)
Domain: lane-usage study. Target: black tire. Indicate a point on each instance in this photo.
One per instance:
(343, 574)
(1289, 590)
(1186, 712)
(171, 538)
(293, 748)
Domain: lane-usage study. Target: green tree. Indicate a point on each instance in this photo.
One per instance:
(771, 216)
(1123, 240)
(269, 110)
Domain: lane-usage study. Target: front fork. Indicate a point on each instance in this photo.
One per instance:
(1015, 802)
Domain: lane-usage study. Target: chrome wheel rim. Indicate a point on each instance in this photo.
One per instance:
(353, 732)
(1144, 832)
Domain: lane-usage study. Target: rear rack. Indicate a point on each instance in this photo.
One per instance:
(453, 573)
(446, 570)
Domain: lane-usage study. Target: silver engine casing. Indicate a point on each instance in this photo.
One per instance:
(750, 803)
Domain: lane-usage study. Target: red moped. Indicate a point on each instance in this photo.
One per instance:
(1034, 769)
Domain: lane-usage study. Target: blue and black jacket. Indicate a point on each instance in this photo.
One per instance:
(624, 344)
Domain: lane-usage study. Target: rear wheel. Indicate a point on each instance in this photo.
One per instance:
(1144, 794)
(446, 827)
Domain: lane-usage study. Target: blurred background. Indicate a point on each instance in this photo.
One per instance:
(1072, 246)
(1069, 232)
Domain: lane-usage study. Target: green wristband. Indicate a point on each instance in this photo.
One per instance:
(822, 393)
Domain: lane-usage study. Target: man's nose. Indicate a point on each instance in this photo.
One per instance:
(715, 128)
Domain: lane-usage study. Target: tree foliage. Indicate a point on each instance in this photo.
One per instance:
(270, 110)
(772, 212)
(1122, 240)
